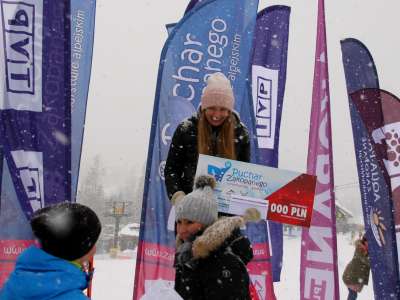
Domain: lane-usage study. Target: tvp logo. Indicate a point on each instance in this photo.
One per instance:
(265, 97)
(218, 172)
(21, 27)
(29, 166)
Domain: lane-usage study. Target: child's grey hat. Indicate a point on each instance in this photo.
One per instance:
(200, 205)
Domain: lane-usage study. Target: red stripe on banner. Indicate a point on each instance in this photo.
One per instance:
(157, 264)
(260, 271)
(9, 251)
(157, 253)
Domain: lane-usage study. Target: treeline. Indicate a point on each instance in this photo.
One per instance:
(94, 192)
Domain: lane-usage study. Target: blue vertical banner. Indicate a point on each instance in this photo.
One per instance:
(262, 113)
(82, 34)
(191, 5)
(35, 117)
(214, 36)
(368, 122)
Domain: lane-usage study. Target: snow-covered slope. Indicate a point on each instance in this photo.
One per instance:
(114, 278)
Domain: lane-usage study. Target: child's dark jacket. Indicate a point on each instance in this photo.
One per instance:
(213, 266)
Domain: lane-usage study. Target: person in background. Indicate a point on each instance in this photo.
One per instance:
(215, 130)
(57, 270)
(211, 254)
(356, 273)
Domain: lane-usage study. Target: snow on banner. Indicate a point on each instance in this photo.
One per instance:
(318, 265)
(213, 36)
(374, 115)
(267, 91)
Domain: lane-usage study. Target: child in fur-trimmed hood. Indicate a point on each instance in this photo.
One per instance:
(212, 254)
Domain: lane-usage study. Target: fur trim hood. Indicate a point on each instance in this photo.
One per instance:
(215, 235)
(213, 265)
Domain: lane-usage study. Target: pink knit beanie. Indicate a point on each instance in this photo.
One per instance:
(218, 92)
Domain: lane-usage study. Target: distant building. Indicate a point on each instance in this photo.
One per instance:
(344, 222)
(105, 242)
(129, 236)
(344, 219)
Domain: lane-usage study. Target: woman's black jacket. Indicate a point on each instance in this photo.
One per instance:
(183, 154)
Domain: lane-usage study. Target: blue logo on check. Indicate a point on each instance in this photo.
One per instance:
(218, 172)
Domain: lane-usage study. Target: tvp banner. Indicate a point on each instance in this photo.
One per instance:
(318, 265)
(35, 116)
(279, 195)
(214, 36)
(44, 76)
(262, 113)
(371, 131)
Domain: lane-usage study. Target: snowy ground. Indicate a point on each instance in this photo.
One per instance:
(114, 277)
(289, 287)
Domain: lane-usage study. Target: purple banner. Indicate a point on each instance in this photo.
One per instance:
(35, 111)
(318, 266)
(371, 134)
(263, 115)
(368, 105)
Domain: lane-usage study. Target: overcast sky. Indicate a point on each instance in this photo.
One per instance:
(129, 37)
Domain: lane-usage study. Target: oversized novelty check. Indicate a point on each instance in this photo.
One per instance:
(279, 195)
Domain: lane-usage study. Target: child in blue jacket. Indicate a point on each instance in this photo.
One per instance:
(67, 234)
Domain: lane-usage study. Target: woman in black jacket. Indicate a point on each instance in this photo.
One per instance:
(211, 254)
(216, 130)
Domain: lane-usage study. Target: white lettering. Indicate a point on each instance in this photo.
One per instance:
(322, 132)
(218, 25)
(318, 236)
(318, 284)
(322, 203)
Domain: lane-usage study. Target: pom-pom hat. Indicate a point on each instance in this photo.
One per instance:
(66, 230)
(218, 92)
(200, 205)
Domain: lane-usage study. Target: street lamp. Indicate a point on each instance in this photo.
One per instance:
(117, 210)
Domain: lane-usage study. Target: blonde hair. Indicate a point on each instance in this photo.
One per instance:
(225, 141)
